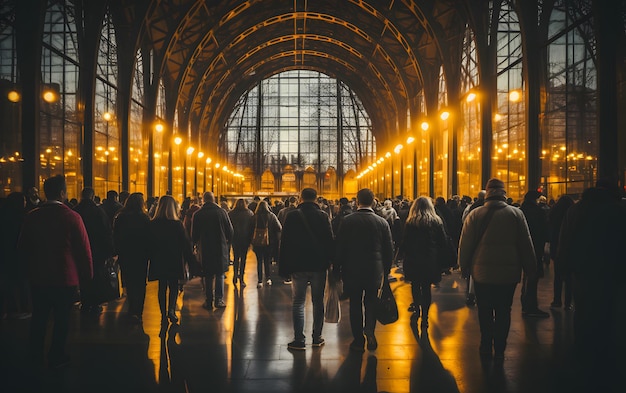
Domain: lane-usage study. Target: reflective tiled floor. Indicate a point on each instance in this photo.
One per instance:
(243, 348)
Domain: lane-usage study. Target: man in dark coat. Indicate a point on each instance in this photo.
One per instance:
(101, 241)
(306, 250)
(364, 256)
(55, 247)
(537, 220)
(212, 232)
(591, 248)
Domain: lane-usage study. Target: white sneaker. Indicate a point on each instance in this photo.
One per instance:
(259, 285)
(269, 282)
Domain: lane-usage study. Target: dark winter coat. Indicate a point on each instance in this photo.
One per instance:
(364, 249)
(271, 222)
(305, 249)
(212, 232)
(243, 226)
(537, 220)
(419, 249)
(170, 249)
(131, 236)
(99, 230)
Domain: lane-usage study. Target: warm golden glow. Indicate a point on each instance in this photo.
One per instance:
(107, 116)
(514, 96)
(217, 165)
(69, 153)
(470, 97)
(497, 117)
(397, 148)
(200, 154)
(50, 96)
(178, 140)
(48, 150)
(424, 126)
(410, 140)
(444, 115)
(387, 155)
(190, 150)
(14, 96)
(208, 160)
(159, 127)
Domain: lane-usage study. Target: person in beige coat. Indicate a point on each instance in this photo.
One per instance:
(495, 246)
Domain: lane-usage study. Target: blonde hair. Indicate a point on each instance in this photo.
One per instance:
(167, 208)
(422, 212)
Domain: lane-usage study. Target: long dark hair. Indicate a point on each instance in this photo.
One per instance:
(134, 204)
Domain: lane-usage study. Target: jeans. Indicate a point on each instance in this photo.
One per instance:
(264, 262)
(494, 314)
(167, 301)
(363, 301)
(46, 300)
(298, 294)
(240, 255)
(219, 287)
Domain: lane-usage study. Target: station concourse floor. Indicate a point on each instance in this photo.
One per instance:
(243, 348)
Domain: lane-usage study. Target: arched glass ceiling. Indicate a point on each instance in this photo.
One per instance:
(299, 118)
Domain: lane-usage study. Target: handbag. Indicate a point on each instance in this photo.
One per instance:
(106, 284)
(261, 237)
(386, 306)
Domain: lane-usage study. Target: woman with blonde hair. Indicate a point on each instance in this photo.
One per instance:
(170, 250)
(424, 235)
(265, 219)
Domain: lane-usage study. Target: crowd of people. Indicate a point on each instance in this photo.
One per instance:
(52, 250)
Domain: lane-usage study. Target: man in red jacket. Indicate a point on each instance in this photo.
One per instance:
(55, 247)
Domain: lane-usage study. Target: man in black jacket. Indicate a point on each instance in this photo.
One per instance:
(364, 255)
(306, 249)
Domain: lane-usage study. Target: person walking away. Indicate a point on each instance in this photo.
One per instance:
(364, 256)
(424, 235)
(264, 218)
(55, 247)
(242, 220)
(495, 246)
(591, 249)
(561, 280)
(537, 220)
(101, 241)
(131, 237)
(170, 249)
(211, 232)
(306, 251)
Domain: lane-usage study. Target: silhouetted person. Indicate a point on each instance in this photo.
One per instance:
(101, 242)
(364, 256)
(562, 280)
(306, 250)
(212, 231)
(111, 205)
(242, 220)
(55, 246)
(591, 248)
(131, 235)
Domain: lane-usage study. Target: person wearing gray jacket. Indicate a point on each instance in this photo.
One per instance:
(495, 246)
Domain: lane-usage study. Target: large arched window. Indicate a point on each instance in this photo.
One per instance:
(441, 140)
(509, 132)
(469, 164)
(60, 133)
(107, 165)
(570, 139)
(302, 119)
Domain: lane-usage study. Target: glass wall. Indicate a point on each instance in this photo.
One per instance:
(138, 163)
(60, 133)
(440, 140)
(107, 160)
(509, 130)
(10, 105)
(469, 136)
(569, 149)
(292, 119)
(160, 155)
